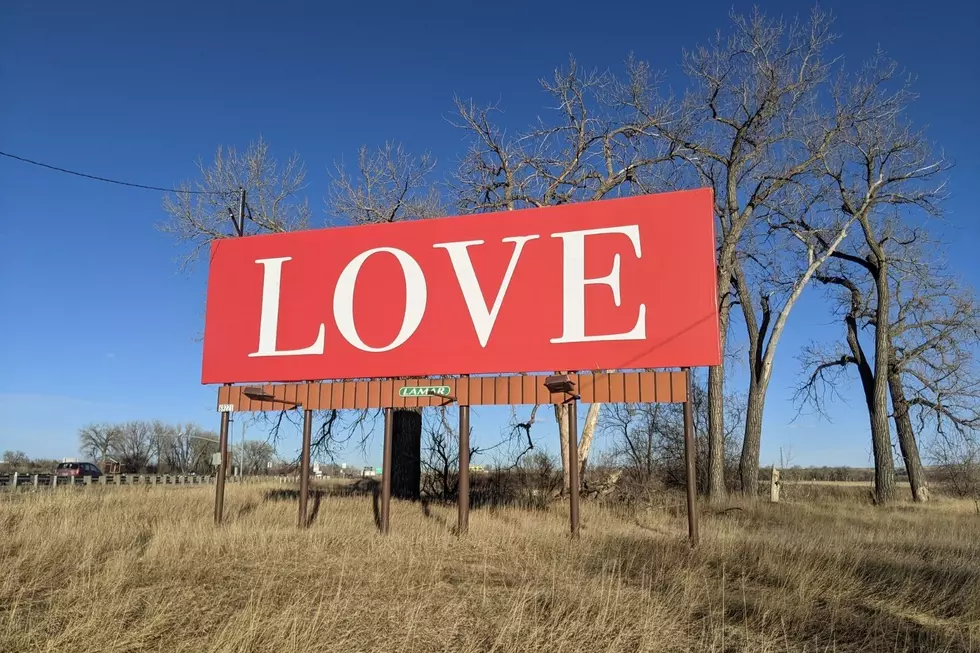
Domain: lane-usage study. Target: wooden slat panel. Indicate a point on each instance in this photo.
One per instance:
(515, 391)
(617, 388)
(373, 394)
(631, 382)
(614, 387)
(279, 392)
(601, 381)
(270, 405)
(586, 388)
(236, 398)
(648, 387)
(663, 386)
(387, 393)
(501, 391)
(303, 395)
(678, 392)
(543, 396)
(361, 394)
(476, 391)
(349, 389)
(451, 382)
(224, 392)
(336, 395)
(289, 396)
(529, 393)
(397, 401)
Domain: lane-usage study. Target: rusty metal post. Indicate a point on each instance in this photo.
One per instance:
(219, 490)
(463, 501)
(690, 453)
(304, 468)
(573, 489)
(386, 473)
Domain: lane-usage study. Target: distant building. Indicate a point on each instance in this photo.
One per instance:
(368, 472)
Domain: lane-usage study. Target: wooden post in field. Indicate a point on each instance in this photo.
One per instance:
(118, 479)
(102, 480)
(87, 480)
(54, 480)
(774, 485)
(34, 480)
(13, 480)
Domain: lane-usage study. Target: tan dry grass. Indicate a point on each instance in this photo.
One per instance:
(145, 570)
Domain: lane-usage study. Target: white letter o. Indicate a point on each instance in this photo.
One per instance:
(415, 298)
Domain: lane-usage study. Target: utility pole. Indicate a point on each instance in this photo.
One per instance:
(219, 489)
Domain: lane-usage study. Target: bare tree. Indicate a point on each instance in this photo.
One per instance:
(388, 185)
(254, 456)
(599, 143)
(136, 446)
(648, 439)
(753, 128)
(931, 340)
(208, 207)
(15, 459)
(957, 459)
(99, 440)
(184, 448)
(885, 174)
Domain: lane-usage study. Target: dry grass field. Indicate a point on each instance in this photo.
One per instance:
(144, 569)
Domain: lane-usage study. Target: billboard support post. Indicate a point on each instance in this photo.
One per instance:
(304, 469)
(386, 474)
(219, 488)
(573, 481)
(690, 462)
(464, 471)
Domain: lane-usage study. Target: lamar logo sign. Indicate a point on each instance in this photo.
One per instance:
(615, 284)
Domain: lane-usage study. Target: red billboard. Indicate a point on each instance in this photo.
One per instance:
(614, 284)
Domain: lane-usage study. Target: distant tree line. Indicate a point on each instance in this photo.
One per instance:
(158, 447)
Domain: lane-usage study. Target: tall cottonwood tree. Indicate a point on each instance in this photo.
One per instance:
(597, 143)
(755, 126)
(205, 209)
(932, 337)
(886, 175)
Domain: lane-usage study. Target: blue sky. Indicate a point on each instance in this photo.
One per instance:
(98, 324)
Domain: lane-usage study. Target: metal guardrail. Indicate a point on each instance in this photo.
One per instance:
(16, 481)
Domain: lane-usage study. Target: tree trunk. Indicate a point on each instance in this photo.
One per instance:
(588, 436)
(716, 433)
(906, 439)
(406, 453)
(748, 467)
(880, 431)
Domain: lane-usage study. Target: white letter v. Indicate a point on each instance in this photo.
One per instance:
(483, 320)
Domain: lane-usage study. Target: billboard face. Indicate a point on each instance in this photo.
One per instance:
(615, 284)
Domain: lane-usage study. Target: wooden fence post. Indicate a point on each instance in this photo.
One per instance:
(34, 480)
(87, 480)
(13, 479)
(54, 480)
(102, 480)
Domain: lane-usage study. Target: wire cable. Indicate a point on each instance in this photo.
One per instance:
(111, 181)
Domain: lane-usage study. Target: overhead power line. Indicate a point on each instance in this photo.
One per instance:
(110, 181)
